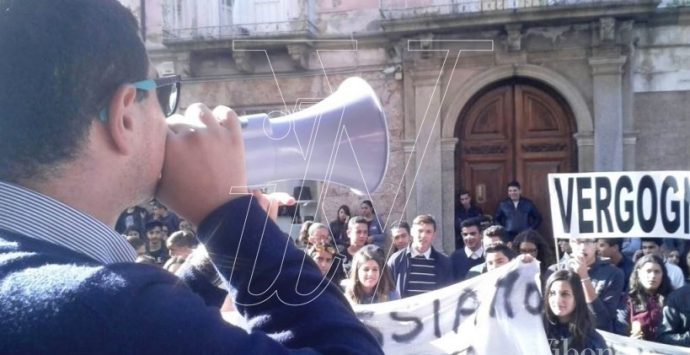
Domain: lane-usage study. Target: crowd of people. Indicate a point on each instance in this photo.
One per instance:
(159, 236)
(597, 284)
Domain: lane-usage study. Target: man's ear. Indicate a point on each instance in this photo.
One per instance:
(120, 124)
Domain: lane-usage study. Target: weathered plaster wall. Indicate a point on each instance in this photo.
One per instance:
(663, 122)
(662, 60)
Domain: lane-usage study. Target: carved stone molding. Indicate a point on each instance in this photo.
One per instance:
(607, 66)
(485, 149)
(448, 144)
(607, 29)
(514, 39)
(544, 147)
(300, 52)
(584, 138)
(243, 61)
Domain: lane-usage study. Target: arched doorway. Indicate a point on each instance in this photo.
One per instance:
(518, 129)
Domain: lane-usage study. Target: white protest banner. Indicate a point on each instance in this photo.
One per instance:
(621, 204)
(629, 346)
(498, 312)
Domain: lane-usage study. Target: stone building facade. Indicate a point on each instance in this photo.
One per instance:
(476, 92)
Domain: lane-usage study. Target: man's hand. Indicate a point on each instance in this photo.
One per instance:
(578, 264)
(204, 162)
(271, 202)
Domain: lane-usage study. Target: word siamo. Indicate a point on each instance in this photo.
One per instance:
(466, 305)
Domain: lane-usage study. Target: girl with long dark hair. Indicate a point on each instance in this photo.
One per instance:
(649, 287)
(567, 321)
(338, 226)
(370, 280)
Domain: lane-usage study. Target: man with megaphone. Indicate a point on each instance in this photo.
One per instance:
(82, 136)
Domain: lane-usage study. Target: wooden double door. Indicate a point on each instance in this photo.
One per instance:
(515, 130)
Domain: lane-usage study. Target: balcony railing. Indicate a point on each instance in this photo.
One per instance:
(400, 9)
(279, 29)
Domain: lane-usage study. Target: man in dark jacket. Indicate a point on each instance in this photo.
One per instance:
(464, 210)
(419, 268)
(675, 324)
(83, 135)
(517, 213)
(472, 254)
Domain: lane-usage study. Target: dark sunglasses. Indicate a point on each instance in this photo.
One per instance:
(167, 90)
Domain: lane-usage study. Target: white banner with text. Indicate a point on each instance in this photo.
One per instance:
(621, 204)
(498, 312)
(495, 313)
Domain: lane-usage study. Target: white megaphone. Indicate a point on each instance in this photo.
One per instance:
(342, 139)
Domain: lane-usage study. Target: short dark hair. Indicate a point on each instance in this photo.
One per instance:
(472, 222)
(514, 183)
(153, 224)
(500, 248)
(400, 224)
(61, 62)
(613, 241)
(656, 241)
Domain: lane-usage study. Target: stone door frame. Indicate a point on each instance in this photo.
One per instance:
(584, 130)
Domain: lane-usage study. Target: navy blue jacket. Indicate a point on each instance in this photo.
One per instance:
(517, 219)
(57, 301)
(462, 264)
(626, 265)
(675, 324)
(399, 264)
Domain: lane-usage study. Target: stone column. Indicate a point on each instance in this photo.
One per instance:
(629, 132)
(629, 150)
(408, 143)
(608, 112)
(585, 151)
(428, 187)
(448, 186)
(410, 197)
